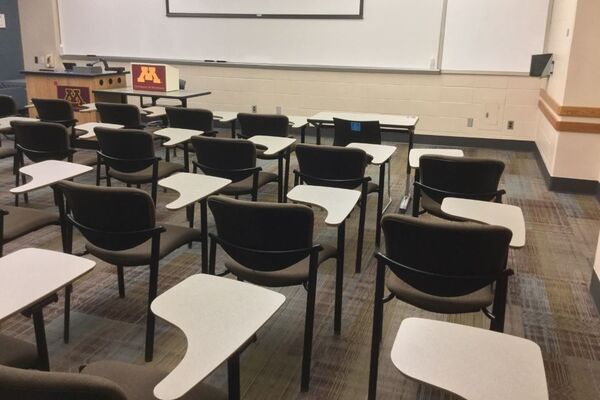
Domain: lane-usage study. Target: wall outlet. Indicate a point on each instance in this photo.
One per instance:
(278, 110)
(510, 125)
(469, 122)
(36, 59)
(254, 109)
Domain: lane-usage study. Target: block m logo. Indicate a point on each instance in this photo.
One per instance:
(148, 74)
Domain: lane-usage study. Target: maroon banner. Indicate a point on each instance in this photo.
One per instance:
(149, 77)
(76, 95)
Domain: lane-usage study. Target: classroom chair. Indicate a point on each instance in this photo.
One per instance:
(58, 111)
(8, 107)
(268, 125)
(101, 380)
(128, 156)
(346, 132)
(127, 115)
(271, 244)
(42, 141)
(262, 124)
(232, 159)
(196, 119)
(440, 267)
(119, 225)
(17, 354)
(339, 167)
(441, 176)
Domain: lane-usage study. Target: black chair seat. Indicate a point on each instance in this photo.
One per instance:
(17, 353)
(138, 382)
(293, 275)
(6, 152)
(145, 176)
(21, 221)
(174, 237)
(435, 208)
(473, 302)
(245, 185)
(372, 187)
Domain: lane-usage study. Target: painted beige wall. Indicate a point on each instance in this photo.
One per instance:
(558, 42)
(39, 30)
(444, 102)
(583, 85)
(575, 82)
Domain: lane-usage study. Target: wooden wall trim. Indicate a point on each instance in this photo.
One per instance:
(569, 111)
(567, 126)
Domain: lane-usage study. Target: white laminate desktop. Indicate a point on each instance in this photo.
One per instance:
(46, 173)
(177, 135)
(473, 363)
(380, 152)
(29, 275)
(217, 316)
(274, 144)
(385, 120)
(5, 122)
(88, 127)
(338, 203)
(491, 213)
(415, 154)
(191, 187)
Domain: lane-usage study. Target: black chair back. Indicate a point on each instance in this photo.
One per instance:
(126, 150)
(23, 384)
(41, 141)
(472, 178)
(263, 236)
(55, 110)
(113, 218)
(347, 132)
(8, 107)
(332, 166)
(127, 115)
(442, 258)
(226, 158)
(190, 118)
(263, 124)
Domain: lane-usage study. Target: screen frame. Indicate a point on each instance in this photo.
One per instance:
(360, 15)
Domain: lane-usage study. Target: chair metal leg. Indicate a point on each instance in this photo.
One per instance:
(377, 330)
(233, 376)
(339, 278)
(150, 319)
(308, 333)
(121, 281)
(361, 232)
(40, 339)
(380, 195)
(280, 179)
(67, 320)
(499, 307)
(204, 232)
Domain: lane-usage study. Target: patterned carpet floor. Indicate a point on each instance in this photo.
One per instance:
(549, 300)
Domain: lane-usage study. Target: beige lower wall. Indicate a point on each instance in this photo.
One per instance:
(443, 102)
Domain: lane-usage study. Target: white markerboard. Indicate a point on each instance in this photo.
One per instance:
(493, 35)
(280, 7)
(398, 34)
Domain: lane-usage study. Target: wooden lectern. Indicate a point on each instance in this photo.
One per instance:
(76, 87)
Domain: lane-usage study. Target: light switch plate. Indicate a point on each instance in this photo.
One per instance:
(2, 21)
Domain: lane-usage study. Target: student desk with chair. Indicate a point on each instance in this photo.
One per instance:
(30, 280)
(388, 123)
